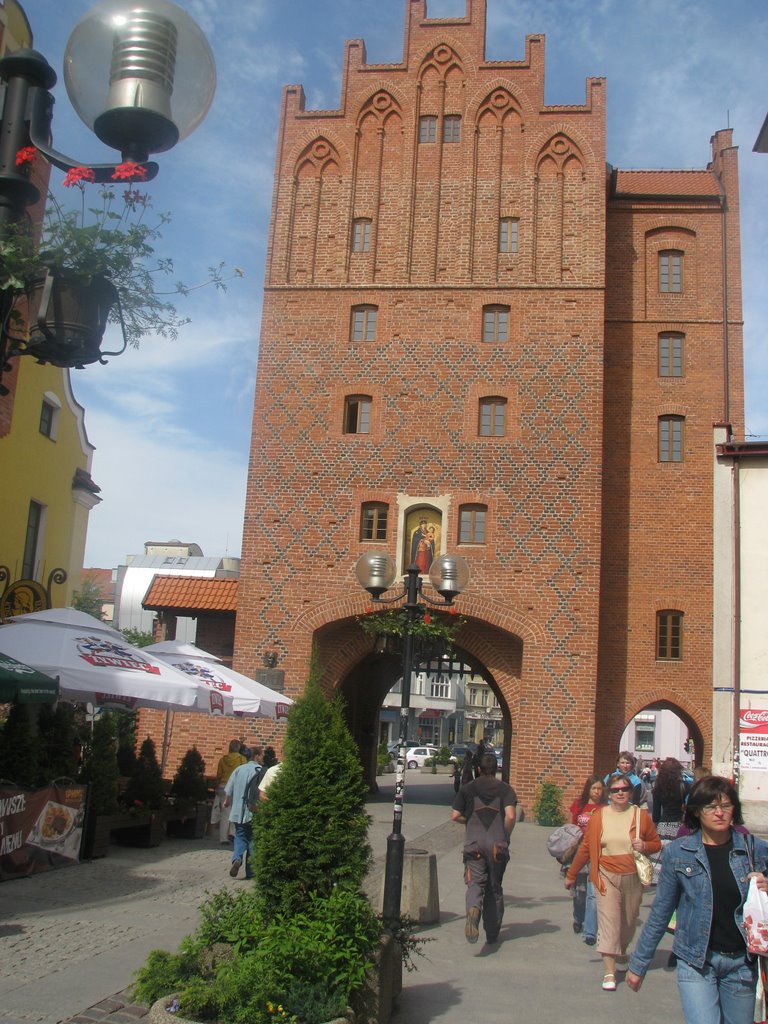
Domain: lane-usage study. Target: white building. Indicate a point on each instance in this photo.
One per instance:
(740, 700)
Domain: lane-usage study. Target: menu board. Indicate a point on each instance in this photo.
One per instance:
(40, 829)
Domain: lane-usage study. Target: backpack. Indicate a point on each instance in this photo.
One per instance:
(251, 795)
(563, 843)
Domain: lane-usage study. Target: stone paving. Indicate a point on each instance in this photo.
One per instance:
(71, 940)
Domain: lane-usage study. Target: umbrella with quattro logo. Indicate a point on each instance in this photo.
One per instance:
(248, 696)
(95, 663)
(25, 684)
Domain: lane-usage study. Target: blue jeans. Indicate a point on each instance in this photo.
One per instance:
(721, 992)
(243, 848)
(590, 913)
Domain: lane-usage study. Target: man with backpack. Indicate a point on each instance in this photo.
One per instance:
(241, 797)
(487, 806)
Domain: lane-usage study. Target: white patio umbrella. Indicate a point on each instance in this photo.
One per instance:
(95, 663)
(248, 696)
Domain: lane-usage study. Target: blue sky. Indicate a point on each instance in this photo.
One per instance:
(171, 421)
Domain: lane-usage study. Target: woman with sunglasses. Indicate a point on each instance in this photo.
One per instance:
(613, 833)
(705, 877)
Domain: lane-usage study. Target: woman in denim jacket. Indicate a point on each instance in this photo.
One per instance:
(704, 877)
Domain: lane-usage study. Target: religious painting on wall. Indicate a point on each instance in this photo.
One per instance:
(423, 528)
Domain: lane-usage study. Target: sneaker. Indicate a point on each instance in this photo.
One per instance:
(472, 927)
(236, 865)
(577, 928)
(609, 983)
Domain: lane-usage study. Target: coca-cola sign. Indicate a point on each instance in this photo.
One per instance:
(754, 719)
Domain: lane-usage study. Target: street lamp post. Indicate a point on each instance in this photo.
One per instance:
(139, 73)
(376, 573)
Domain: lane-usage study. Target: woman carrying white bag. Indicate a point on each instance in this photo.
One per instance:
(705, 879)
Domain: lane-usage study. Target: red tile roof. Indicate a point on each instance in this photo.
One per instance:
(666, 183)
(191, 594)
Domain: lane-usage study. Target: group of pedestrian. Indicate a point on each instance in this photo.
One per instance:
(704, 875)
(243, 777)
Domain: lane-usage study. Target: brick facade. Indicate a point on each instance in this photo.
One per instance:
(587, 534)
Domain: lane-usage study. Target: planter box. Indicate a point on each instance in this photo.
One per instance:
(98, 832)
(187, 822)
(158, 1014)
(442, 769)
(373, 1003)
(144, 831)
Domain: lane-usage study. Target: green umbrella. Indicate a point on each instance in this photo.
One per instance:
(25, 684)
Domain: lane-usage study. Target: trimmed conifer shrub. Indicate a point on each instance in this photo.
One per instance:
(19, 753)
(310, 836)
(145, 786)
(189, 783)
(100, 766)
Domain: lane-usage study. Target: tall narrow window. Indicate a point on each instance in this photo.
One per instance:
(669, 636)
(373, 521)
(508, 234)
(493, 417)
(357, 414)
(364, 323)
(47, 417)
(451, 128)
(361, 235)
(32, 540)
(472, 524)
(670, 271)
(671, 355)
(671, 436)
(428, 129)
(495, 323)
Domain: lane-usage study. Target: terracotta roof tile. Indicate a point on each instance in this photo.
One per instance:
(191, 593)
(666, 183)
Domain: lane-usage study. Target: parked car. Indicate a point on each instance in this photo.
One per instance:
(416, 756)
(460, 750)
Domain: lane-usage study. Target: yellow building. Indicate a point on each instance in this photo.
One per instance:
(46, 490)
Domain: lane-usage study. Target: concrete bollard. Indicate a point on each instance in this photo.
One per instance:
(420, 899)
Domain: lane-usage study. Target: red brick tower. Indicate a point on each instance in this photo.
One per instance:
(434, 344)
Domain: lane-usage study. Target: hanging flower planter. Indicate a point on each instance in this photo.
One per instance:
(67, 317)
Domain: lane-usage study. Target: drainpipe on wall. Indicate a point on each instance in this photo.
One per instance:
(726, 340)
(736, 625)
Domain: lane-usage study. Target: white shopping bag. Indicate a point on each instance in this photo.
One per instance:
(756, 919)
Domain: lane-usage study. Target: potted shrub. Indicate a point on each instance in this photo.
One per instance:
(299, 944)
(99, 770)
(548, 806)
(384, 761)
(91, 266)
(144, 797)
(188, 814)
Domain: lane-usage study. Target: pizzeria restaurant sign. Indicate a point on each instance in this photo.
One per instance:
(40, 829)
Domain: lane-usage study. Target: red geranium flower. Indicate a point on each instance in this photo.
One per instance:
(129, 171)
(78, 174)
(427, 618)
(26, 156)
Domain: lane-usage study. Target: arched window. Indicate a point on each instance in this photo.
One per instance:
(669, 635)
(472, 524)
(495, 323)
(357, 414)
(364, 323)
(492, 417)
(671, 270)
(373, 521)
(361, 234)
(671, 354)
(671, 438)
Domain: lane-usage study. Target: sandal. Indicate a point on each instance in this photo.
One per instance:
(609, 983)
